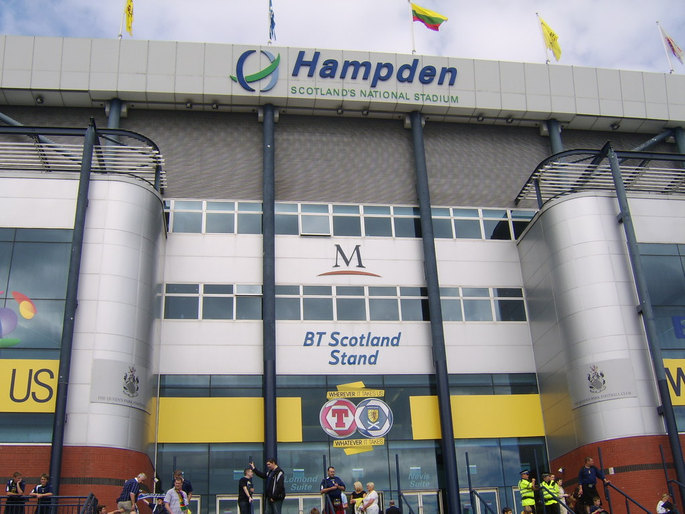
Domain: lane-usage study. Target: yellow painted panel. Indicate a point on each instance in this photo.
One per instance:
(225, 420)
(476, 416)
(675, 376)
(28, 385)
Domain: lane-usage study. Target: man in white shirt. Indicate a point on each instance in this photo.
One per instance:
(176, 500)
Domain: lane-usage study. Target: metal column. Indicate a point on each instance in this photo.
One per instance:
(449, 454)
(648, 319)
(269, 285)
(554, 131)
(70, 307)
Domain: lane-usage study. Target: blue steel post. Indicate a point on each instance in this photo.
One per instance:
(648, 320)
(554, 131)
(70, 306)
(269, 285)
(449, 454)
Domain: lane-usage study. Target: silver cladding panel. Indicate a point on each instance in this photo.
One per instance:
(116, 318)
(581, 302)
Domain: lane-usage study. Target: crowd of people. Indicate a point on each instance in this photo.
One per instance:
(548, 495)
(545, 497)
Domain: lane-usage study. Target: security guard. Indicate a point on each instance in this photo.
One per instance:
(527, 490)
(550, 493)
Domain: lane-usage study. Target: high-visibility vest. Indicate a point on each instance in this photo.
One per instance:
(527, 493)
(547, 490)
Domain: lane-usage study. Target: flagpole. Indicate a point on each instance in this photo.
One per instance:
(543, 38)
(411, 20)
(123, 16)
(663, 42)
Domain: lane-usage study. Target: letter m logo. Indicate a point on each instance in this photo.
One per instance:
(340, 253)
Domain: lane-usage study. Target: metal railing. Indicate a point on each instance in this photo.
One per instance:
(52, 505)
(574, 171)
(141, 159)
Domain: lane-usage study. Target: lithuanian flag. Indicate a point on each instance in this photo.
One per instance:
(429, 18)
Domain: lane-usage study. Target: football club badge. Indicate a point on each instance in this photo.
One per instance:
(373, 418)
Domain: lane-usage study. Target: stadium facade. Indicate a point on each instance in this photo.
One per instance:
(216, 253)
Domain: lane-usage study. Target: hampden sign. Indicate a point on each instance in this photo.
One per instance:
(363, 79)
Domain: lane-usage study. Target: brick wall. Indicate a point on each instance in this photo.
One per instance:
(85, 469)
(637, 469)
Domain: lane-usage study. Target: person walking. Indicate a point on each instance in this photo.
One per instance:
(274, 489)
(587, 480)
(129, 494)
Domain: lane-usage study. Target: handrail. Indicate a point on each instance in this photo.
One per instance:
(482, 501)
(402, 497)
(559, 499)
(628, 498)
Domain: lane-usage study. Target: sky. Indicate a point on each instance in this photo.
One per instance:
(617, 34)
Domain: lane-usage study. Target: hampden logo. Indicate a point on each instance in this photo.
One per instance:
(340, 255)
(271, 70)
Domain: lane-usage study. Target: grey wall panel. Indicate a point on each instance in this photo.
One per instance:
(480, 165)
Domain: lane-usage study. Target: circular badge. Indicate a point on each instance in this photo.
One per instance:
(373, 417)
(337, 418)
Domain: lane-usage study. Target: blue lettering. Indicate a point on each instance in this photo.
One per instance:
(427, 74)
(410, 69)
(334, 357)
(329, 69)
(382, 73)
(453, 75)
(301, 62)
(334, 339)
(356, 65)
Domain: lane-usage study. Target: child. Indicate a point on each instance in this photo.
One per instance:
(596, 506)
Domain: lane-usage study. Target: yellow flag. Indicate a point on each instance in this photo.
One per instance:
(551, 39)
(129, 16)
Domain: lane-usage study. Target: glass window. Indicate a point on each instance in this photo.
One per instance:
(496, 229)
(347, 226)
(316, 290)
(317, 308)
(665, 279)
(377, 227)
(442, 228)
(18, 427)
(287, 290)
(451, 309)
(288, 308)
(188, 222)
(249, 223)
(510, 310)
(183, 288)
(477, 310)
(315, 225)
(40, 270)
(349, 290)
(351, 309)
(383, 309)
(509, 292)
(346, 209)
(415, 309)
(43, 330)
(217, 289)
(217, 307)
(467, 229)
(220, 206)
(407, 227)
(220, 223)
(376, 209)
(285, 207)
(248, 307)
(286, 224)
(181, 307)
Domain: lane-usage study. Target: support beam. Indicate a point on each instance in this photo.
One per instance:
(70, 307)
(554, 131)
(269, 283)
(648, 320)
(449, 454)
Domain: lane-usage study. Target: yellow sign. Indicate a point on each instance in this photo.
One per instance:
(675, 376)
(349, 443)
(362, 393)
(28, 385)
